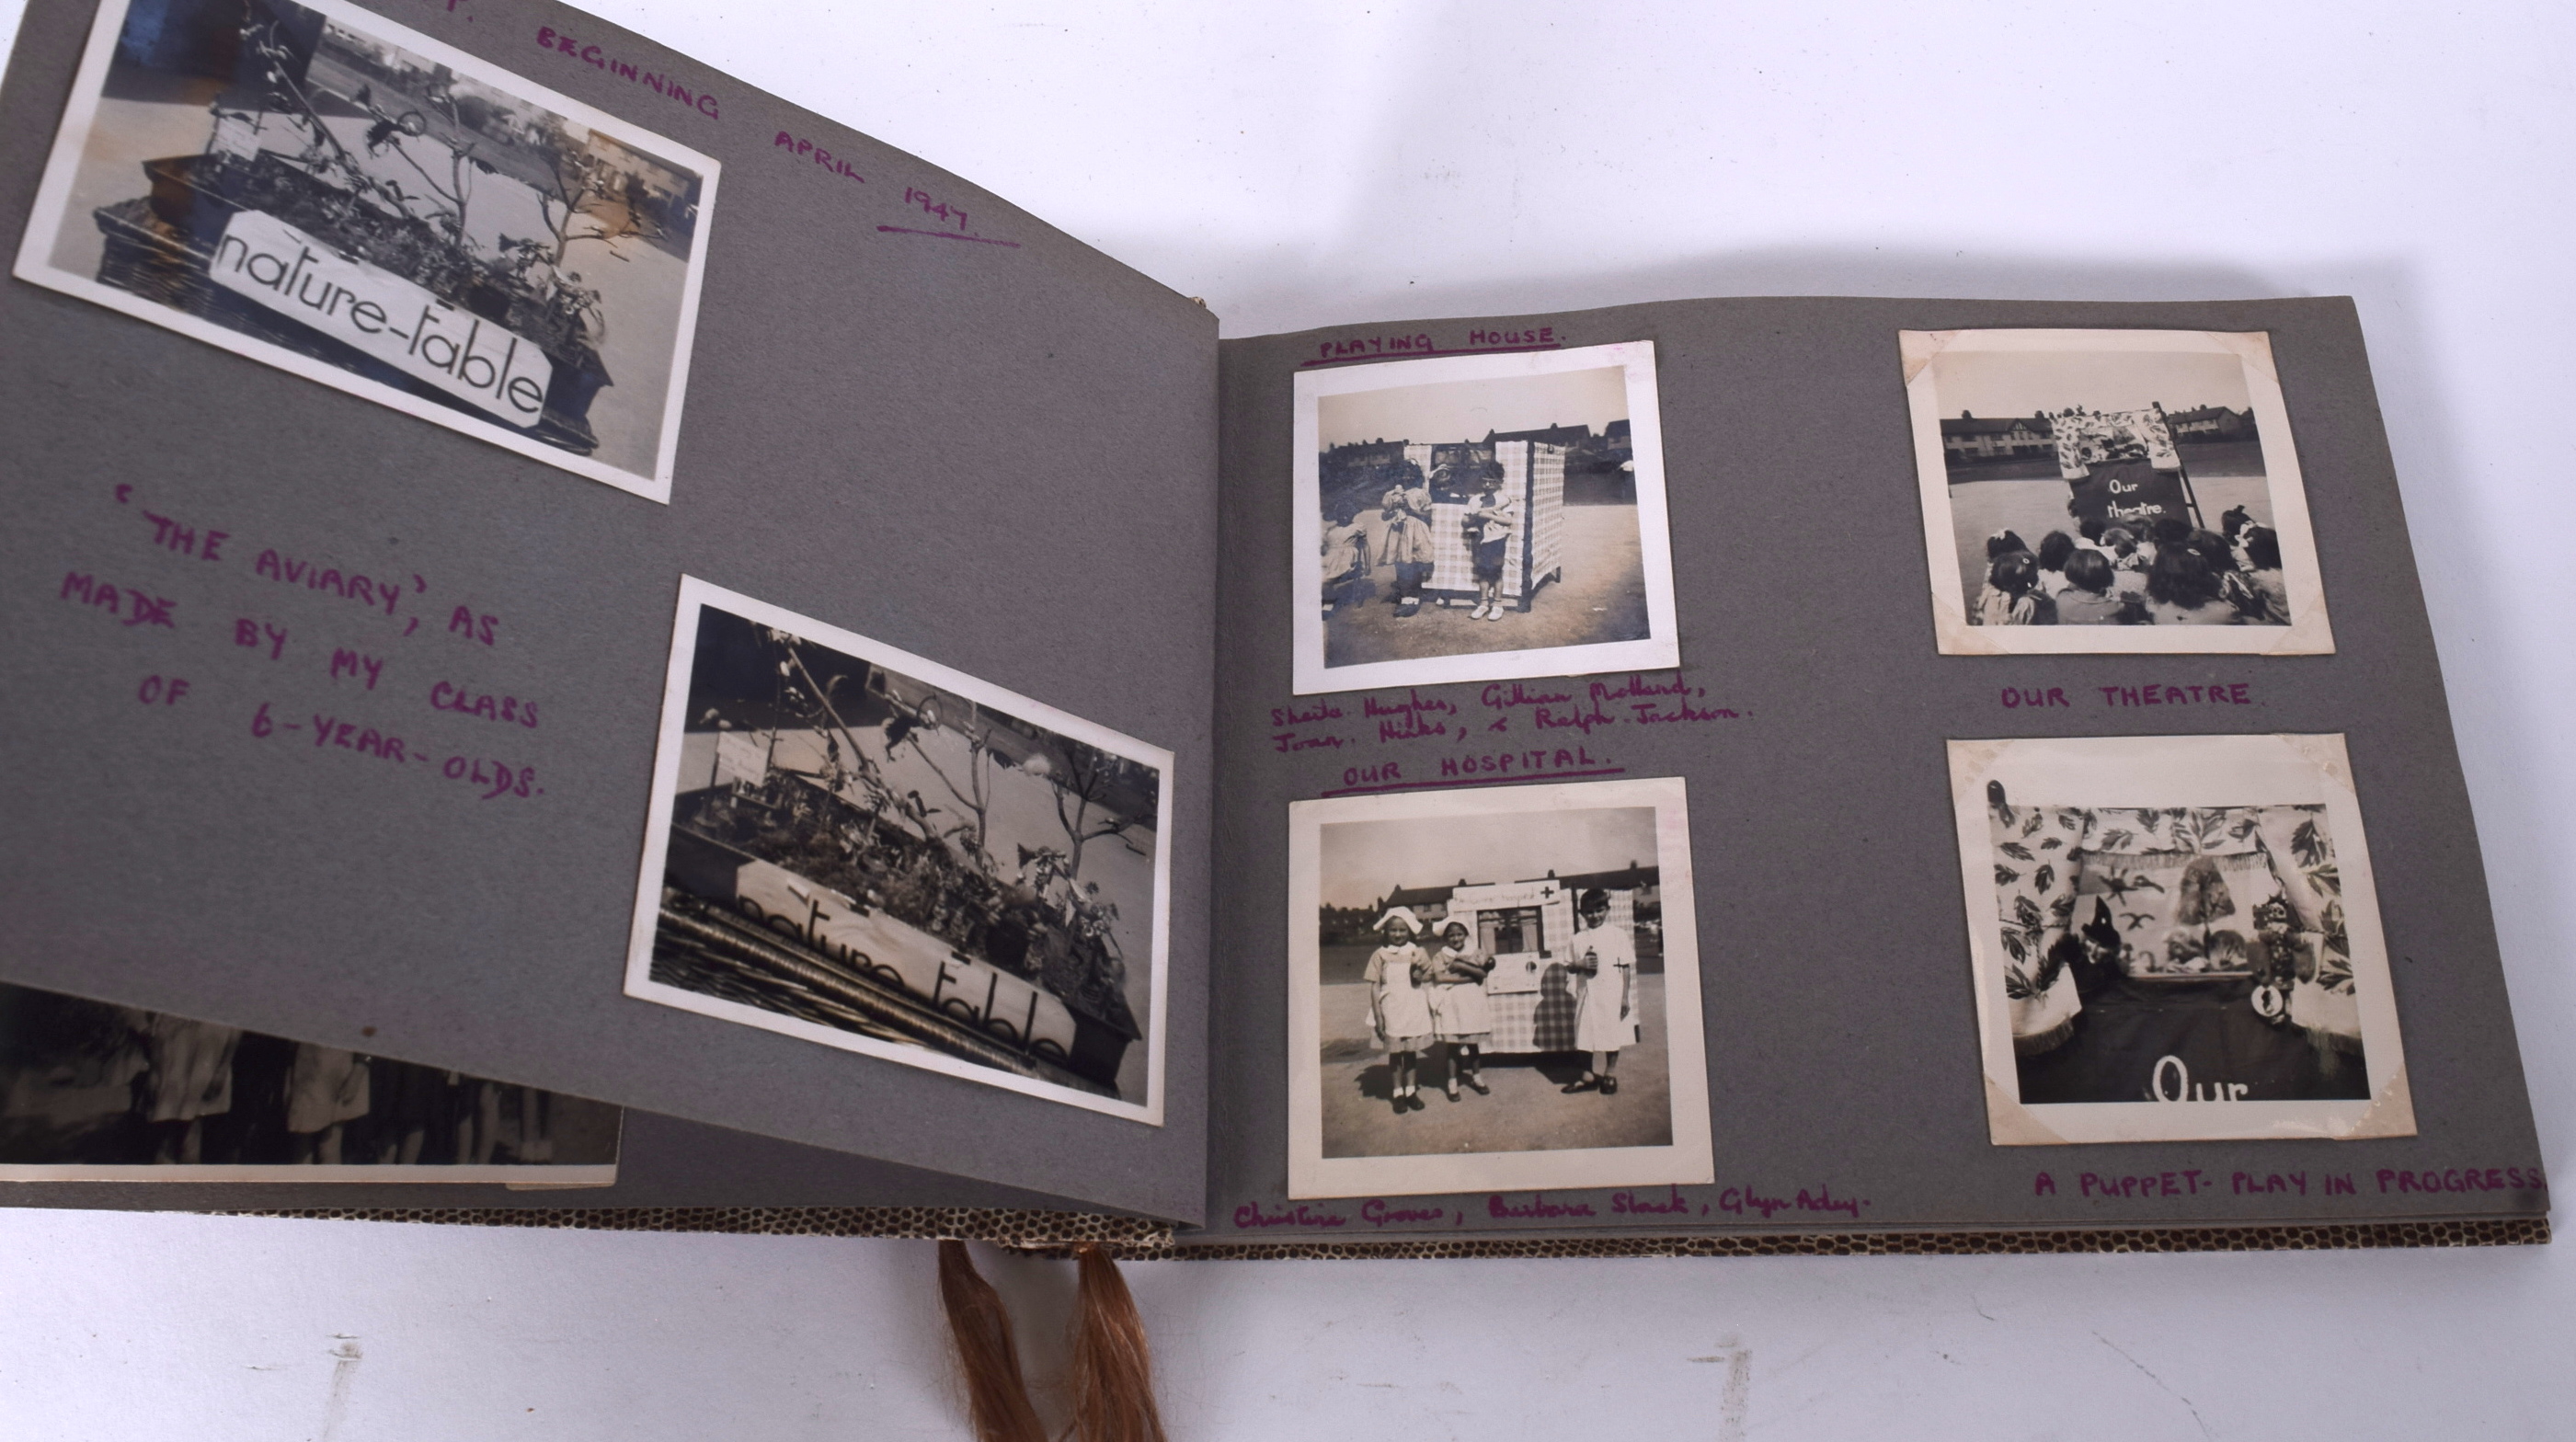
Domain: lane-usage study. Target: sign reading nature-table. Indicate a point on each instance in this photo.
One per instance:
(347, 199)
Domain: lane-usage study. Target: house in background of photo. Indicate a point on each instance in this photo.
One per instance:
(2121, 468)
(1977, 448)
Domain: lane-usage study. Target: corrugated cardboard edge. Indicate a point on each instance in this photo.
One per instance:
(2315, 1237)
(1032, 1230)
(1136, 1239)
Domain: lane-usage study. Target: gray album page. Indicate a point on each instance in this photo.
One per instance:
(335, 685)
(2204, 1000)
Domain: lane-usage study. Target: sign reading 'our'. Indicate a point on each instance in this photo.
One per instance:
(2128, 493)
(384, 316)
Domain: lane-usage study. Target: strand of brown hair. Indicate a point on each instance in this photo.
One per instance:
(997, 1396)
(1113, 1372)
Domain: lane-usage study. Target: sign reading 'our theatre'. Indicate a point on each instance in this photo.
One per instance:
(384, 316)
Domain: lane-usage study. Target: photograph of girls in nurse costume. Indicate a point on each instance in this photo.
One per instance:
(1532, 1023)
(2175, 938)
(1481, 517)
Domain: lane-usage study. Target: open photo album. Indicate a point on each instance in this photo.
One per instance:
(539, 690)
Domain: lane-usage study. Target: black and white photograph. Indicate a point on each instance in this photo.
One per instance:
(91, 1092)
(1494, 989)
(325, 191)
(2111, 490)
(861, 847)
(1479, 518)
(2175, 938)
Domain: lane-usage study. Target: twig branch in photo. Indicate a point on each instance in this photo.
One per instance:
(903, 862)
(335, 194)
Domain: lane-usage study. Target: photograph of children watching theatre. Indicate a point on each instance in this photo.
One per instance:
(2166, 573)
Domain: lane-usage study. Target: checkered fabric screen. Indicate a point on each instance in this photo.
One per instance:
(1536, 473)
(1515, 1016)
(1545, 504)
(1516, 1022)
(1453, 561)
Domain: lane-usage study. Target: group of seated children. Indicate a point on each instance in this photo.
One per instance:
(2159, 573)
(1404, 514)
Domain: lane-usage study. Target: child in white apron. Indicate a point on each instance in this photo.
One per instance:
(1399, 1005)
(1461, 1016)
(1607, 961)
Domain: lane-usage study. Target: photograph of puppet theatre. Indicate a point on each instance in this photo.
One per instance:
(90, 1091)
(2127, 487)
(2193, 953)
(1519, 1007)
(2175, 938)
(861, 854)
(1472, 508)
(421, 223)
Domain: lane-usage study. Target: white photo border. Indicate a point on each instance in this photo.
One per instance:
(696, 595)
(2277, 769)
(1688, 1160)
(2308, 633)
(53, 196)
(1659, 649)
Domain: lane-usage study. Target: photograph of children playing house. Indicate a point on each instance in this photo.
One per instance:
(1479, 516)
